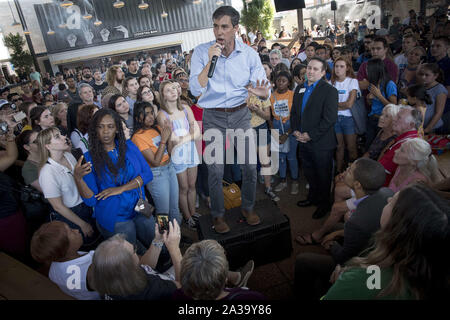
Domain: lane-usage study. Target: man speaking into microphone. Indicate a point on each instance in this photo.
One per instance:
(223, 92)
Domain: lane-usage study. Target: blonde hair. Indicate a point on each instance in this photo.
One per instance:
(44, 138)
(163, 100)
(55, 109)
(419, 151)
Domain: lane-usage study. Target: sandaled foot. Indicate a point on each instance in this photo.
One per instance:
(306, 239)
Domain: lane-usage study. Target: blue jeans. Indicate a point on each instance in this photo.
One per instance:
(291, 156)
(164, 191)
(139, 231)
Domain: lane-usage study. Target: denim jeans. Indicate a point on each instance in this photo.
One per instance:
(164, 191)
(139, 231)
(291, 156)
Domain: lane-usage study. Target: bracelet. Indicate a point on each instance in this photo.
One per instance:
(158, 244)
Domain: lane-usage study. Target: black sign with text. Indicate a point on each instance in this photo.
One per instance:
(78, 26)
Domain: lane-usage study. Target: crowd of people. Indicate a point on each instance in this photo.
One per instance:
(83, 154)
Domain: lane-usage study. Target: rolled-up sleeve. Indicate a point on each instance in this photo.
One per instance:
(198, 63)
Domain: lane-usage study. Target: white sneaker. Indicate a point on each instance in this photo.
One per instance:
(281, 186)
(294, 188)
(271, 195)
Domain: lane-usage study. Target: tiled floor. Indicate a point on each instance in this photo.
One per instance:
(276, 280)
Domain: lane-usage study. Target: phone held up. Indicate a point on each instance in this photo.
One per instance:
(163, 222)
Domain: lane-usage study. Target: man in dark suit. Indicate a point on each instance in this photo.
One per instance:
(313, 115)
(312, 271)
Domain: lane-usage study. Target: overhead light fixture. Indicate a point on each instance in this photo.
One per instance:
(62, 25)
(219, 3)
(118, 4)
(197, 1)
(50, 32)
(15, 23)
(143, 5)
(97, 23)
(87, 16)
(66, 4)
(164, 13)
(26, 32)
(248, 1)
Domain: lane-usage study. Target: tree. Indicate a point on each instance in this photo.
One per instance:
(19, 56)
(258, 16)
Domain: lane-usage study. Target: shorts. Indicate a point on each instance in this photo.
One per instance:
(345, 125)
(185, 157)
(260, 131)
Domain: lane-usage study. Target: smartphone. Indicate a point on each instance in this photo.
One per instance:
(19, 116)
(163, 222)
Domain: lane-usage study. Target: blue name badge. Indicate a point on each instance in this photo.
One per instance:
(342, 91)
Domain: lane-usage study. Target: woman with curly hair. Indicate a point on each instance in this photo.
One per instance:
(409, 251)
(112, 180)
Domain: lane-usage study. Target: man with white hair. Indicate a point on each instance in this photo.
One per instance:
(406, 124)
(86, 93)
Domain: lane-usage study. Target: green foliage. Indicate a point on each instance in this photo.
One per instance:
(258, 16)
(19, 56)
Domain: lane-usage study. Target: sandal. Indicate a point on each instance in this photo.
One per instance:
(306, 239)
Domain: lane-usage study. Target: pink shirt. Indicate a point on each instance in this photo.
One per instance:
(415, 177)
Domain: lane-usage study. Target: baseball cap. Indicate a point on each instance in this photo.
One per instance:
(3, 102)
(382, 32)
(63, 95)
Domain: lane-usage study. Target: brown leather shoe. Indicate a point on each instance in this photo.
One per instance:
(220, 225)
(251, 217)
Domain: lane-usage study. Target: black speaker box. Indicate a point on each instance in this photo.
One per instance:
(333, 5)
(284, 5)
(267, 242)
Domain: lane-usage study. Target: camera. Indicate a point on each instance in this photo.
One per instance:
(163, 222)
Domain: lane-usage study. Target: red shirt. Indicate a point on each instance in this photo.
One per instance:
(388, 158)
(198, 115)
(390, 65)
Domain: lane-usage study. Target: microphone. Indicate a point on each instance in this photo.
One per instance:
(212, 67)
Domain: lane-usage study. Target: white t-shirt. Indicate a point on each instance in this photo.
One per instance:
(401, 61)
(70, 276)
(344, 88)
(57, 181)
(302, 56)
(77, 142)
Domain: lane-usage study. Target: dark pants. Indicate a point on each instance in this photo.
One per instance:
(312, 275)
(318, 169)
(202, 180)
(372, 129)
(84, 213)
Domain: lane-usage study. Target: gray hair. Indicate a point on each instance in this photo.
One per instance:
(114, 270)
(204, 270)
(415, 116)
(277, 52)
(419, 151)
(85, 85)
(392, 110)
